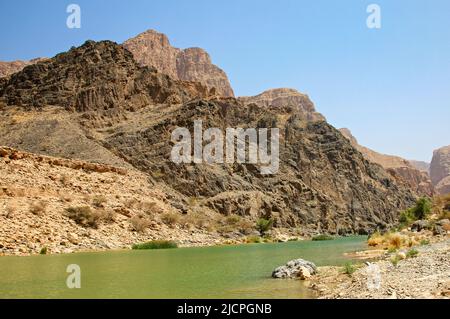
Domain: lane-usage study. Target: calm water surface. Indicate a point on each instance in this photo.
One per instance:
(206, 272)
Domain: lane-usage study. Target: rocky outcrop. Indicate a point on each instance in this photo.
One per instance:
(297, 268)
(36, 191)
(98, 76)
(153, 49)
(420, 165)
(287, 98)
(323, 185)
(8, 68)
(440, 170)
(402, 170)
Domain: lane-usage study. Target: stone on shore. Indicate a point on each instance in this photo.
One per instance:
(297, 268)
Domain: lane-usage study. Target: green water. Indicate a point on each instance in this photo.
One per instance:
(210, 272)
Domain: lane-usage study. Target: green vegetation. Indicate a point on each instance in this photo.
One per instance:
(43, 251)
(424, 242)
(392, 250)
(394, 260)
(420, 211)
(156, 244)
(348, 268)
(412, 253)
(263, 225)
(322, 237)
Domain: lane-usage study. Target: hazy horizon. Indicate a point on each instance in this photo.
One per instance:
(389, 86)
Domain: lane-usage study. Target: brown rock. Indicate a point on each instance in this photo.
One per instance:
(402, 170)
(8, 68)
(285, 98)
(440, 170)
(153, 49)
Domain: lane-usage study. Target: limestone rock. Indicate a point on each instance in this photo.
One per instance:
(440, 170)
(152, 48)
(285, 98)
(403, 171)
(297, 268)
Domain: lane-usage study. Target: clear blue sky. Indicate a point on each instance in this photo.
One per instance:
(391, 86)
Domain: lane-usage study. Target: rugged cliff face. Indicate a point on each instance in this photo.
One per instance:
(287, 98)
(101, 77)
(153, 49)
(324, 184)
(402, 170)
(440, 170)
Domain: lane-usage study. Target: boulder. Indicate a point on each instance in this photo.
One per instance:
(420, 225)
(297, 268)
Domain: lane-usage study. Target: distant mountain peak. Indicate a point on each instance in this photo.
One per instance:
(152, 48)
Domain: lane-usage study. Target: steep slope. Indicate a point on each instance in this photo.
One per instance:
(420, 165)
(36, 191)
(402, 170)
(324, 183)
(440, 170)
(97, 76)
(153, 49)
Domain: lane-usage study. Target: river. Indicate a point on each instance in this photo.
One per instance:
(241, 271)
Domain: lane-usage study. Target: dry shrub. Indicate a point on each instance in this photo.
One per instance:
(38, 208)
(232, 219)
(84, 216)
(99, 201)
(196, 219)
(170, 219)
(245, 227)
(395, 240)
(376, 239)
(107, 216)
(131, 202)
(148, 208)
(139, 223)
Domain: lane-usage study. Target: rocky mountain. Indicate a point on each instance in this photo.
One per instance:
(440, 170)
(420, 165)
(101, 77)
(402, 170)
(285, 97)
(96, 104)
(152, 48)
(8, 68)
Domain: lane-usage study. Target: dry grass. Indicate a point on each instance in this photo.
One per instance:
(139, 223)
(99, 201)
(170, 219)
(392, 241)
(395, 241)
(83, 215)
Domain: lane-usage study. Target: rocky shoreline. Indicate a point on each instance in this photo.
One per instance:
(425, 276)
